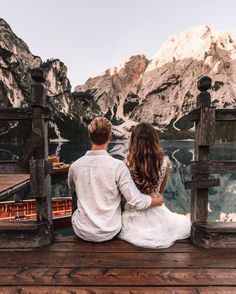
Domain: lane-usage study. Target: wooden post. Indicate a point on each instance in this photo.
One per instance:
(40, 180)
(204, 138)
(203, 233)
(25, 234)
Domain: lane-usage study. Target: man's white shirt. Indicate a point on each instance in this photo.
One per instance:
(99, 180)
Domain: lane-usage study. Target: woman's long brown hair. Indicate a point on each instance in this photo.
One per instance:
(145, 157)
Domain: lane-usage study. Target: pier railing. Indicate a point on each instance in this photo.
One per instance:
(23, 234)
(204, 233)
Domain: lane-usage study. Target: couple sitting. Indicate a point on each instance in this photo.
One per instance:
(99, 182)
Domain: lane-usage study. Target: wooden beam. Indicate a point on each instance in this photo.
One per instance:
(15, 167)
(202, 183)
(24, 234)
(214, 235)
(199, 197)
(31, 145)
(42, 259)
(14, 113)
(37, 178)
(219, 227)
(12, 167)
(205, 127)
(221, 115)
(40, 127)
(116, 290)
(11, 183)
(18, 225)
(226, 114)
(116, 277)
(213, 167)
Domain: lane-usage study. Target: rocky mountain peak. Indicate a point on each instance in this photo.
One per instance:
(163, 90)
(16, 62)
(111, 88)
(192, 43)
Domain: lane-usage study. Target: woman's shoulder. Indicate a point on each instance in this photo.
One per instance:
(165, 160)
(164, 164)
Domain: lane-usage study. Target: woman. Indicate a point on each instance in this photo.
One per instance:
(156, 227)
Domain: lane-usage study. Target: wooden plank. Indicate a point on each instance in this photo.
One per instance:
(40, 259)
(225, 114)
(14, 113)
(202, 183)
(74, 239)
(37, 174)
(194, 194)
(116, 277)
(18, 225)
(201, 205)
(217, 227)
(35, 140)
(213, 167)
(118, 247)
(24, 235)
(15, 167)
(116, 290)
(221, 115)
(11, 167)
(11, 182)
(40, 127)
(215, 235)
(205, 127)
(199, 197)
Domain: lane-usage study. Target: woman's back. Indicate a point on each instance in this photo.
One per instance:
(155, 227)
(145, 158)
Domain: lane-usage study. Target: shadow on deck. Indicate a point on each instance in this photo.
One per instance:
(71, 265)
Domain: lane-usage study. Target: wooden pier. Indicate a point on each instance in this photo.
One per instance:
(32, 263)
(71, 265)
(11, 183)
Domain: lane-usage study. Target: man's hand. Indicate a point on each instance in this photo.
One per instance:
(157, 199)
(155, 194)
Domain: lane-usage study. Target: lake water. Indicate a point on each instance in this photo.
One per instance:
(222, 200)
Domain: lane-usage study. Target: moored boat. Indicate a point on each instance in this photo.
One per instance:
(26, 210)
(58, 167)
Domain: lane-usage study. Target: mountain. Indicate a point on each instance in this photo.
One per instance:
(16, 62)
(112, 89)
(163, 90)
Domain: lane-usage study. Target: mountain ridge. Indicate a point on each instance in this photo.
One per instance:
(166, 90)
(161, 91)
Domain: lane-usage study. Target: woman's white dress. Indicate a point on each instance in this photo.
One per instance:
(156, 227)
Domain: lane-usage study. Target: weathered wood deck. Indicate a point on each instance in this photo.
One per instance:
(71, 265)
(10, 183)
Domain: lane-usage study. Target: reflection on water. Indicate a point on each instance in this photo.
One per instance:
(222, 200)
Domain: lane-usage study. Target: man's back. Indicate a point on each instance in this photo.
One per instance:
(98, 214)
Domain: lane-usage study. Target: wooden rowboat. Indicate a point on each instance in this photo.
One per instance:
(58, 167)
(26, 210)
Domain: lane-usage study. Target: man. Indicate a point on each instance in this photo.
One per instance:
(99, 180)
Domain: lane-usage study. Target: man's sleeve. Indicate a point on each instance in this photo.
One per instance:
(129, 190)
(71, 183)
